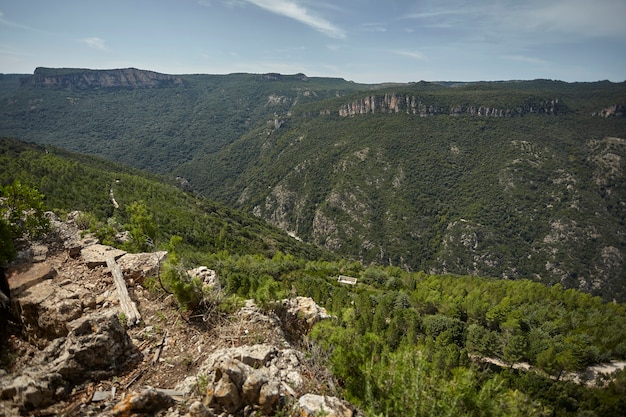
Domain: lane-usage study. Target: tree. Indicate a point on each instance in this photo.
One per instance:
(21, 214)
(141, 227)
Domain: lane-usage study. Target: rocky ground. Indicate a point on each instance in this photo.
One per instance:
(73, 352)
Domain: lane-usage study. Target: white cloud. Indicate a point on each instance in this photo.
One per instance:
(95, 43)
(526, 59)
(410, 54)
(579, 18)
(582, 17)
(5, 22)
(293, 10)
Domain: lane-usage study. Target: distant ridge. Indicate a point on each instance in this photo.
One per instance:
(85, 79)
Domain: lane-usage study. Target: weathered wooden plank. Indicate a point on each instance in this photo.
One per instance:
(126, 304)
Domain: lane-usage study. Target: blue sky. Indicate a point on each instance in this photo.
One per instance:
(367, 41)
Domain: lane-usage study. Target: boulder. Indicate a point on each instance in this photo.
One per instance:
(312, 405)
(250, 376)
(69, 234)
(206, 275)
(139, 266)
(20, 281)
(147, 402)
(299, 315)
(46, 308)
(96, 255)
(96, 347)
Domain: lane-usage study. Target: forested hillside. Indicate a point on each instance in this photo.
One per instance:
(399, 343)
(512, 180)
(111, 194)
(145, 124)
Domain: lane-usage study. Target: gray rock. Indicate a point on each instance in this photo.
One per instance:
(139, 266)
(46, 308)
(96, 255)
(299, 315)
(312, 405)
(250, 376)
(197, 409)
(149, 401)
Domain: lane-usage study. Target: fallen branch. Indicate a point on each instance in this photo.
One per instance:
(157, 354)
(126, 304)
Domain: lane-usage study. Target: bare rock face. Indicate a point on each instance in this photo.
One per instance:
(47, 307)
(312, 405)
(139, 266)
(300, 314)
(147, 402)
(257, 376)
(83, 79)
(96, 255)
(96, 347)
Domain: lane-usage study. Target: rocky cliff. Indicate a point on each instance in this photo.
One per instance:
(82, 79)
(410, 104)
(618, 110)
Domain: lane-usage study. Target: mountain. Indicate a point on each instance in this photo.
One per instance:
(519, 179)
(145, 119)
(506, 180)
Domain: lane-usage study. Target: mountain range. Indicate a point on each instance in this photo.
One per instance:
(517, 179)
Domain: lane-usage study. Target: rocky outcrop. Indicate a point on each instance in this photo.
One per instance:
(96, 347)
(83, 356)
(298, 315)
(409, 104)
(617, 110)
(259, 377)
(83, 79)
(312, 405)
(273, 76)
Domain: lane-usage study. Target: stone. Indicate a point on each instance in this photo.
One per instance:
(255, 356)
(37, 273)
(269, 396)
(139, 266)
(312, 405)
(96, 255)
(46, 308)
(197, 409)
(252, 387)
(149, 401)
(96, 347)
(40, 252)
(250, 376)
(206, 275)
(299, 315)
(225, 394)
(30, 390)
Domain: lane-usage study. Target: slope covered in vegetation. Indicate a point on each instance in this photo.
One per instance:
(513, 180)
(77, 182)
(402, 342)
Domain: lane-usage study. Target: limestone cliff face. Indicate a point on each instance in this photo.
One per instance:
(79, 79)
(618, 110)
(398, 103)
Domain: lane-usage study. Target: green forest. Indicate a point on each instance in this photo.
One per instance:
(513, 180)
(400, 343)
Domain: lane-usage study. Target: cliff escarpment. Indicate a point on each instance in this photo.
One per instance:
(83, 79)
(410, 104)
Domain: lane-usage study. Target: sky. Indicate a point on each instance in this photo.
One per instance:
(366, 41)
